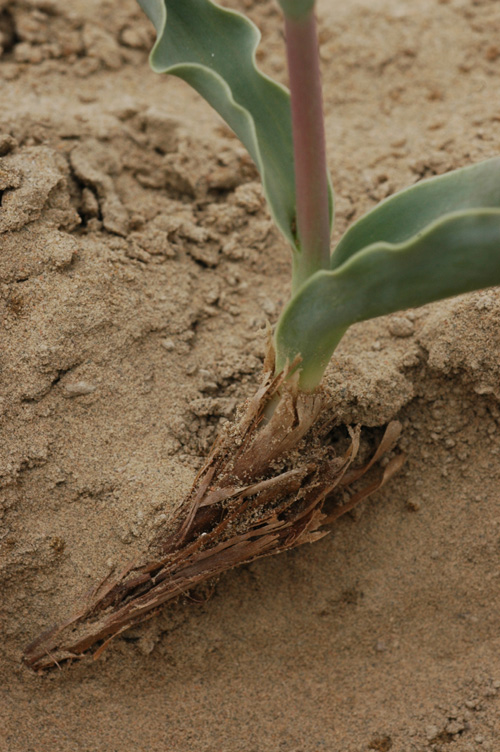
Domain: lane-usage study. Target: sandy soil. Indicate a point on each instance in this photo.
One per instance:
(138, 268)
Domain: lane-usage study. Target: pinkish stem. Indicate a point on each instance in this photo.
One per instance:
(311, 181)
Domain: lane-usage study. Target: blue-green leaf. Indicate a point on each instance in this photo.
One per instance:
(213, 49)
(458, 253)
(400, 217)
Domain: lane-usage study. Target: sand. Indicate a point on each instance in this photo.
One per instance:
(138, 269)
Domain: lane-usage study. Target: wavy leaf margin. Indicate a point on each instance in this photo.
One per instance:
(213, 49)
(458, 253)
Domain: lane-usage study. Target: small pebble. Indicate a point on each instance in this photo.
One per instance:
(485, 302)
(400, 326)
(455, 727)
(160, 520)
(268, 306)
(210, 387)
(79, 387)
(431, 732)
(27, 53)
(414, 505)
(168, 344)
(90, 204)
(472, 704)
(411, 359)
(132, 38)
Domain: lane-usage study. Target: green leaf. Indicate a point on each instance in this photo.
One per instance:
(410, 211)
(458, 253)
(213, 49)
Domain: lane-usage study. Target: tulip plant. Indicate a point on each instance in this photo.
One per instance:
(257, 495)
(436, 239)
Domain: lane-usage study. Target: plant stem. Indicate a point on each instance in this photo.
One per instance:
(311, 177)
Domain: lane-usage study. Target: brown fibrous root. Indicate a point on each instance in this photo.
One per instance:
(269, 484)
